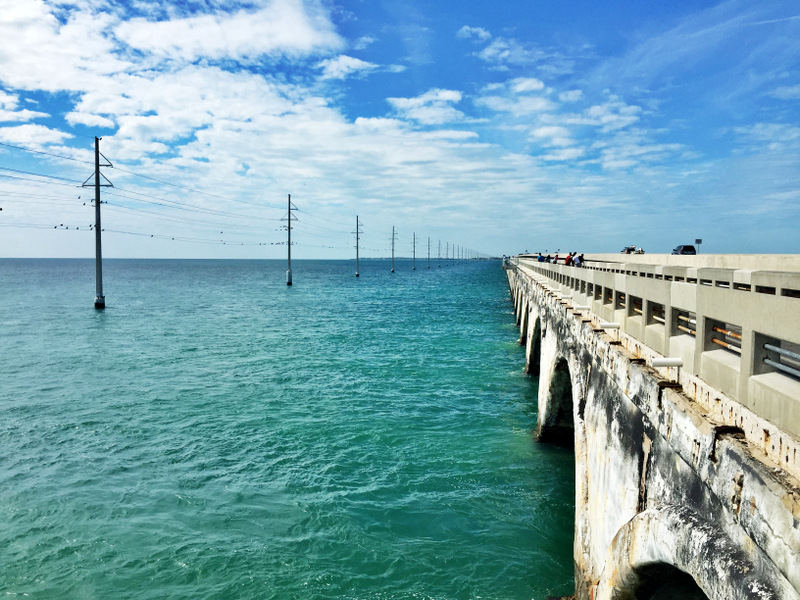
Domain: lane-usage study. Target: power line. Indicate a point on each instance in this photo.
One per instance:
(129, 172)
(184, 220)
(35, 180)
(39, 174)
(179, 238)
(175, 204)
(86, 162)
(183, 187)
(343, 224)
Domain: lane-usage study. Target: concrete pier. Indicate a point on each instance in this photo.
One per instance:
(687, 477)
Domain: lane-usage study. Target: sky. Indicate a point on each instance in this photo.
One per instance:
(486, 127)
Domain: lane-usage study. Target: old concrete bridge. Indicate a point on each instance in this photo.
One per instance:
(677, 381)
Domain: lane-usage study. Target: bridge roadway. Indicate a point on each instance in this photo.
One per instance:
(677, 382)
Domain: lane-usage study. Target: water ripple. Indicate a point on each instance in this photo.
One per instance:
(342, 439)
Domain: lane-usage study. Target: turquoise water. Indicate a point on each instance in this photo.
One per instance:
(215, 433)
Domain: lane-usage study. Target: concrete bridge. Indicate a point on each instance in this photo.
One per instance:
(677, 382)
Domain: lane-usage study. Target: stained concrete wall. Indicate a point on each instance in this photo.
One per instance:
(663, 491)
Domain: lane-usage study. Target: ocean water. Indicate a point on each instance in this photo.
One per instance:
(215, 433)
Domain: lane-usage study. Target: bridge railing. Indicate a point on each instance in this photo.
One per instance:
(737, 329)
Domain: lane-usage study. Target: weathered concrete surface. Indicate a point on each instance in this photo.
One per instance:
(664, 492)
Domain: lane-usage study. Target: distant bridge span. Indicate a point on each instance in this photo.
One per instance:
(687, 477)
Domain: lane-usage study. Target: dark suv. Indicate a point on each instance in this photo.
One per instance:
(684, 249)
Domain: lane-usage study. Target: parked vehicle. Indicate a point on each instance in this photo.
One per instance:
(631, 250)
(684, 249)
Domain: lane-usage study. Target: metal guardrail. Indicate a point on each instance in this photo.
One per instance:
(786, 354)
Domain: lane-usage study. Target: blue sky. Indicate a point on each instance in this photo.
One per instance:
(498, 127)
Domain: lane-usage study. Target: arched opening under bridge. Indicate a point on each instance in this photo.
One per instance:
(665, 582)
(535, 351)
(556, 425)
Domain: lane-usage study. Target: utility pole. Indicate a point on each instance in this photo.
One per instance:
(414, 252)
(99, 299)
(357, 232)
(289, 218)
(393, 239)
(429, 252)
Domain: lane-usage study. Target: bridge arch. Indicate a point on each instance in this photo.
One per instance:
(670, 552)
(555, 422)
(533, 358)
(524, 319)
(661, 581)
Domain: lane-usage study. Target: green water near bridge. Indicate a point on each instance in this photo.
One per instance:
(215, 433)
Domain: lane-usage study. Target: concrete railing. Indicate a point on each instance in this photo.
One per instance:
(735, 327)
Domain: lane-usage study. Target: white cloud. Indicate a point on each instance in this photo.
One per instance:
(563, 154)
(7, 116)
(570, 96)
(791, 92)
(631, 150)
(342, 66)
(364, 42)
(517, 106)
(51, 56)
(88, 119)
(7, 101)
(612, 115)
(552, 135)
(32, 135)
(434, 107)
(509, 51)
(451, 134)
(380, 125)
(283, 27)
(9, 111)
(174, 106)
(526, 84)
(773, 136)
(467, 32)
(513, 96)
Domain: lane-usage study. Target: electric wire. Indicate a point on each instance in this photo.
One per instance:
(183, 187)
(46, 153)
(176, 204)
(317, 231)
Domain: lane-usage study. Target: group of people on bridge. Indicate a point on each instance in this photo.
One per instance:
(571, 259)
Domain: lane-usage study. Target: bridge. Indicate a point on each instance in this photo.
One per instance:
(677, 382)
